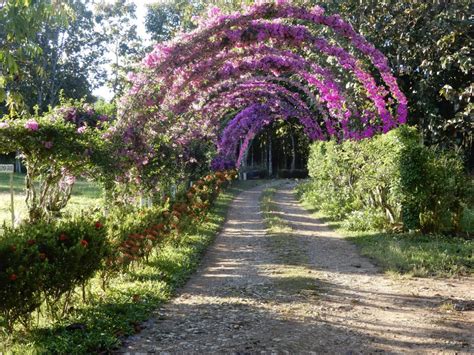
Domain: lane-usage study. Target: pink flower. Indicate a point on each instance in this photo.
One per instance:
(32, 125)
(48, 144)
(4, 125)
(81, 129)
(69, 180)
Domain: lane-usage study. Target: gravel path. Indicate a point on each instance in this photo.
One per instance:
(306, 292)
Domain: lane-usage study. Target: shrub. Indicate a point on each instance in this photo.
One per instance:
(45, 261)
(73, 252)
(135, 232)
(132, 233)
(434, 189)
(56, 147)
(390, 175)
(365, 220)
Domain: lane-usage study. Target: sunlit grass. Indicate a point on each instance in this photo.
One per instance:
(411, 254)
(85, 195)
(275, 224)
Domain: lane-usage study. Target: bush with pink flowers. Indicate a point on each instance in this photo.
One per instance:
(56, 148)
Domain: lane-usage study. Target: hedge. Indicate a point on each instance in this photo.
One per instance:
(389, 181)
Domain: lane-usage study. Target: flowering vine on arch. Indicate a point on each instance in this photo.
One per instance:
(261, 63)
(245, 125)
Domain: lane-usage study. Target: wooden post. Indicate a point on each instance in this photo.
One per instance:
(12, 198)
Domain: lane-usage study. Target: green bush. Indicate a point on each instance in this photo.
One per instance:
(388, 180)
(44, 261)
(133, 233)
(434, 189)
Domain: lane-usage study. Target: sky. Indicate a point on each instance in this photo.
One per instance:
(104, 91)
(141, 13)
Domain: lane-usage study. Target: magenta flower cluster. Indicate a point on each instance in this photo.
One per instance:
(32, 125)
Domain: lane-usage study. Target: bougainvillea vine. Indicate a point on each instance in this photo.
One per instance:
(261, 66)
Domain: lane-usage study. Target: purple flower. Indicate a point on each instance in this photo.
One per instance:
(70, 114)
(32, 125)
(259, 82)
(81, 129)
(89, 109)
(220, 163)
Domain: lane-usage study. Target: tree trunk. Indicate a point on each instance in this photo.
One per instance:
(264, 154)
(293, 152)
(252, 155)
(270, 162)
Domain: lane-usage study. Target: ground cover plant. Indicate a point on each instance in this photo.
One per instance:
(417, 254)
(407, 254)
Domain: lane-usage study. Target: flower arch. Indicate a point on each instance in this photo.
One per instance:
(270, 62)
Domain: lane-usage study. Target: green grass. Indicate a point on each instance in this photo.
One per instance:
(292, 272)
(85, 195)
(411, 254)
(282, 241)
(130, 299)
(418, 255)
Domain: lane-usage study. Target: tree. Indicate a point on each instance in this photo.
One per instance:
(122, 41)
(427, 45)
(72, 54)
(429, 48)
(165, 19)
(20, 20)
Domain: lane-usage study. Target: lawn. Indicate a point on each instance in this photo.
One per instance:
(85, 195)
